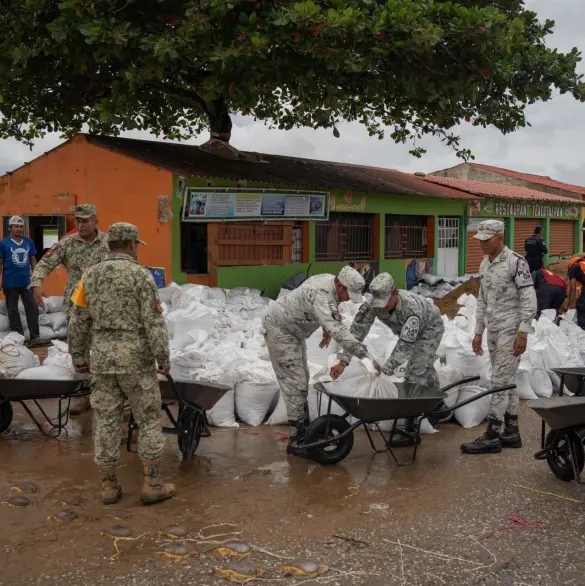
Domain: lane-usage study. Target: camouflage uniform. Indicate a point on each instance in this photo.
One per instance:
(506, 307)
(74, 254)
(417, 323)
(292, 319)
(123, 324)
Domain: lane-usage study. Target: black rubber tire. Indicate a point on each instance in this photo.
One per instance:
(189, 432)
(317, 431)
(5, 415)
(559, 461)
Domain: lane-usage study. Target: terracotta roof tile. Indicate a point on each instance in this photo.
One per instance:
(540, 179)
(500, 190)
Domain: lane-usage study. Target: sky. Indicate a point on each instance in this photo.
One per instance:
(552, 146)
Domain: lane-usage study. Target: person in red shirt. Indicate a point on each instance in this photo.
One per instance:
(551, 290)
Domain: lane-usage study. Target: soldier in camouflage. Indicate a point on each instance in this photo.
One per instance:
(118, 322)
(290, 321)
(417, 323)
(76, 253)
(506, 307)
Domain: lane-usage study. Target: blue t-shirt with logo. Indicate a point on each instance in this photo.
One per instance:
(16, 262)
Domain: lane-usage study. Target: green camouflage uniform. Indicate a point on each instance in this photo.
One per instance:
(123, 327)
(74, 254)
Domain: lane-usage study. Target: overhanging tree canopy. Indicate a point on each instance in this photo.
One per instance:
(176, 67)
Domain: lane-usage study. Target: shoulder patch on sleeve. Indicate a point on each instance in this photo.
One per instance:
(51, 250)
(409, 332)
(361, 314)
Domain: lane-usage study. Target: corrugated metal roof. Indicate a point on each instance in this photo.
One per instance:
(189, 160)
(540, 179)
(500, 190)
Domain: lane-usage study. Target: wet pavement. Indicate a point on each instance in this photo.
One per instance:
(448, 519)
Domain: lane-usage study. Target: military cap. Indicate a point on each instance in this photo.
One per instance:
(85, 211)
(123, 231)
(488, 229)
(353, 282)
(381, 289)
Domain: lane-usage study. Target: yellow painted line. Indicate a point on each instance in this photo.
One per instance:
(566, 498)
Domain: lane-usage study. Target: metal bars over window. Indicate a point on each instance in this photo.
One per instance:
(345, 238)
(448, 236)
(406, 237)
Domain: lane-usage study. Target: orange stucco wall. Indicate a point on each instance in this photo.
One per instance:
(121, 188)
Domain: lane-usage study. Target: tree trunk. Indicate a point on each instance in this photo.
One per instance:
(220, 122)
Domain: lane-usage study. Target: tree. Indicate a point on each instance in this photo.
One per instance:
(415, 67)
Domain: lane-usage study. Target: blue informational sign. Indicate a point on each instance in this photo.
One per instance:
(159, 276)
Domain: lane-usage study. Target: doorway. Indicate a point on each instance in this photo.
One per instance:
(194, 248)
(448, 247)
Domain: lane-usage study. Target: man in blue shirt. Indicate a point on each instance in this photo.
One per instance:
(17, 261)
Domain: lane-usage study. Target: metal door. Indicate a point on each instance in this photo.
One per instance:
(448, 247)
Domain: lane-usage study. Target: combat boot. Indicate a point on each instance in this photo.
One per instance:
(111, 490)
(487, 443)
(511, 436)
(296, 438)
(405, 435)
(80, 406)
(154, 490)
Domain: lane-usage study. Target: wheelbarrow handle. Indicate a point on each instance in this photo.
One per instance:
(443, 412)
(460, 382)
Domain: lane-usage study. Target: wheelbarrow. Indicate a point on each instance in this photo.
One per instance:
(330, 438)
(190, 424)
(563, 445)
(22, 391)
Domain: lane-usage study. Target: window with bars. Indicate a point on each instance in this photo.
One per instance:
(345, 237)
(406, 237)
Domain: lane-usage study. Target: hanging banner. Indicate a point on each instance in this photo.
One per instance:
(202, 205)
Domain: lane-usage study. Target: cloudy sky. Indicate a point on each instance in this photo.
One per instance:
(553, 146)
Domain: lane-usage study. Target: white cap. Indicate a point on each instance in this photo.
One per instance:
(353, 282)
(16, 221)
(488, 229)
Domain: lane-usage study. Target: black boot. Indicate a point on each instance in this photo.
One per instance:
(296, 438)
(511, 436)
(405, 435)
(488, 443)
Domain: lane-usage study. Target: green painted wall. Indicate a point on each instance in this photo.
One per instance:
(270, 278)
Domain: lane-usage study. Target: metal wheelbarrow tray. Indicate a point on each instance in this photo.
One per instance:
(563, 446)
(190, 425)
(20, 391)
(329, 438)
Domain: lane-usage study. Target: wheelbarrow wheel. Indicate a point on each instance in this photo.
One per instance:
(329, 427)
(559, 456)
(189, 432)
(5, 415)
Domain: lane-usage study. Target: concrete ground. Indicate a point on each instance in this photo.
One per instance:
(448, 519)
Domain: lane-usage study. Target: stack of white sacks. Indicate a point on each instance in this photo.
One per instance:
(216, 336)
(52, 320)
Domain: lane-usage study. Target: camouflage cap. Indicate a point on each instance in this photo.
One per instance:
(353, 282)
(123, 232)
(381, 289)
(488, 229)
(85, 211)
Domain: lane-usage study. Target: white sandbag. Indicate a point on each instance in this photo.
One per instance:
(426, 428)
(46, 373)
(53, 304)
(46, 333)
(58, 355)
(279, 415)
(523, 385)
(365, 382)
(222, 414)
(319, 403)
(475, 413)
(467, 363)
(14, 357)
(62, 333)
(253, 400)
(4, 323)
(318, 355)
(57, 320)
(447, 376)
(540, 380)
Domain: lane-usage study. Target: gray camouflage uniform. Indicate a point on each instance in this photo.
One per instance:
(75, 254)
(290, 321)
(123, 327)
(417, 323)
(506, 305)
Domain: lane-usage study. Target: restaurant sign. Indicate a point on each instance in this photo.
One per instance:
(203, 205)
(518, 209)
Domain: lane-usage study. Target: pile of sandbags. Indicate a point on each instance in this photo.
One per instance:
(52, 320)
